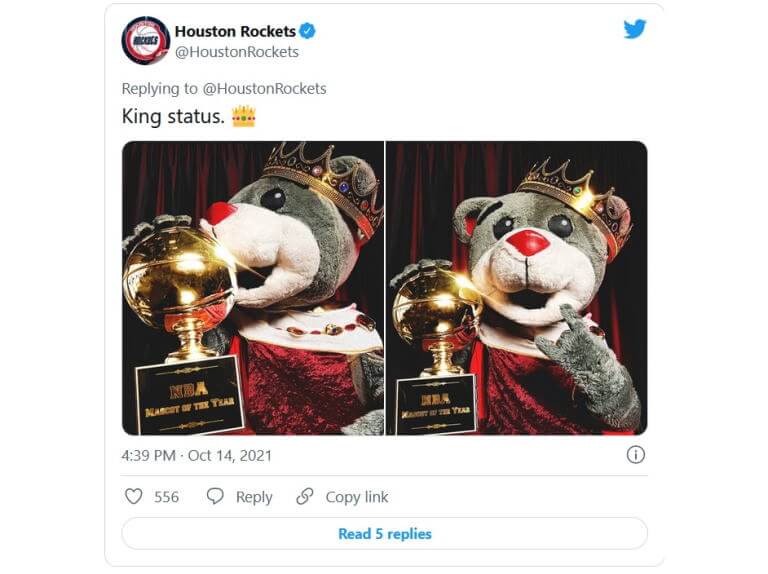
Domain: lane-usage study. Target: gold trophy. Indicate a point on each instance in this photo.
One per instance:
(181, 281)
(439, 310)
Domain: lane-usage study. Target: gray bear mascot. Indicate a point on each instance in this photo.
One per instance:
(307, 367)
(538, 256)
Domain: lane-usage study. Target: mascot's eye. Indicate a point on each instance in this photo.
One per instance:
(561, 226)
(502, 227)
(274, 199)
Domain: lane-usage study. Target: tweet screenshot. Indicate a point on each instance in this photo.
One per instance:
(377, 289)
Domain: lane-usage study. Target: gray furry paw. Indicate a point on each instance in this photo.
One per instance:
(368, 379)
(413, 268)
(462, 357)
(218, 339)
(369, 424)
(142, 230)
(604, 382)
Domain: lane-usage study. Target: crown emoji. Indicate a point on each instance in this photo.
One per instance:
(607, 211)
(343, 188)
(243, 117)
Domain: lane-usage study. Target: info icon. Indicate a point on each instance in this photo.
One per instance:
(146, 40)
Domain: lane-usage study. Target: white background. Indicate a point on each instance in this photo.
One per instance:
(702, 119)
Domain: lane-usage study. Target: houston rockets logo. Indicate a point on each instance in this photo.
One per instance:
(146, 40)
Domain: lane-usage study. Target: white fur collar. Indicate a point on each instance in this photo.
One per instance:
(271, 327)
(520, 341)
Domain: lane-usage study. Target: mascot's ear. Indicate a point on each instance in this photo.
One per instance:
(366, 178)
(466, 214)
(366, 182)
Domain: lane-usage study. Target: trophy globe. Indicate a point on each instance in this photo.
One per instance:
(438, 310)
(181, 281)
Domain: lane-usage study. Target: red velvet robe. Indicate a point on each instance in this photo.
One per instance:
(295, 391)
(526, 395)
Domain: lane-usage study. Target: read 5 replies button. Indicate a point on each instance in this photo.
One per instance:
(413, 533)
(434, 533)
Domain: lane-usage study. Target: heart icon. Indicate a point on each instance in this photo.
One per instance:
(133, 495)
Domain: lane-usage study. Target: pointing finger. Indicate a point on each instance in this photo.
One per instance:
(572, 317)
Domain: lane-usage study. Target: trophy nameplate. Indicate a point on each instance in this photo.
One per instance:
(436, 405)
(189, 397)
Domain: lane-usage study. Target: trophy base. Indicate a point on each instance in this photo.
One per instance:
(441, 371)
(190, 333)
(192, 355)
(442, 366)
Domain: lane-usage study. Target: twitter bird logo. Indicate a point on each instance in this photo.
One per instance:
(634, 30)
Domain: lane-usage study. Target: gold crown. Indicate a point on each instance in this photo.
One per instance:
(243, 117)
(607, 211)
(341, 188)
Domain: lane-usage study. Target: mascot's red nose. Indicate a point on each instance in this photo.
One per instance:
(528, 242)
(219, 211)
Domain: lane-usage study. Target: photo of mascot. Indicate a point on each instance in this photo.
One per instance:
(296, 234)
(538, 255)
